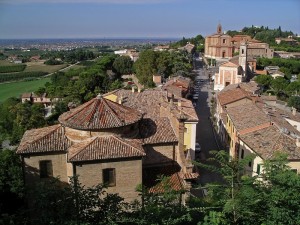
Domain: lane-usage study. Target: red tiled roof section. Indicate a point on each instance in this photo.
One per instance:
(157, 130)
(47, 139)
(247, 116)
(174, 182)
(231, 96)
(105, 147)
(99, 113)
(267, 141)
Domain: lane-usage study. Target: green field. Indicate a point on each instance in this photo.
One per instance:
(15, 89)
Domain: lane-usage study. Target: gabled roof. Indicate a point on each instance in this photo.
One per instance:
(47, 139)
(247, 116)
(99, 113)
(158, 130)
(233, 95)
(229, 64)
(267, 141)
(105, 147)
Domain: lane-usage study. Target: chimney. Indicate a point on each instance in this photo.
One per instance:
(179, 103)
(139, 89)
(132, 89)
(121, 100)
(297, 142)
(294, 111)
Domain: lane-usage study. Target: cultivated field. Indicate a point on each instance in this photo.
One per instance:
(15, 89)
(40, 66)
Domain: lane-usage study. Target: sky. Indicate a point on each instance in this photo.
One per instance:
(140, 18)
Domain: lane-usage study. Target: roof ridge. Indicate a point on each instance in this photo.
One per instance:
(97, 103)
(113, 112)
(51, 132)
(83, 106)
(122, 140)
(84, 147)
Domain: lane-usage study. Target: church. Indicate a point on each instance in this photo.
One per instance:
(218, 46)
(238, 69)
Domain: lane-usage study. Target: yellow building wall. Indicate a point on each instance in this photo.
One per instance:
(188, 136)
(232, 134)
(112, 97)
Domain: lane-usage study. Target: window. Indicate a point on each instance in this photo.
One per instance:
(109, 177)
(46, 169)
(250, 163)
(258, 169)
(224, 41)
(242, 51)
(242, 155)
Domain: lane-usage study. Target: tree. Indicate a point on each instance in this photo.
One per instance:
(123, 65)
(294, 101)
(279, 84)
(146, 66)
(264, 80)
(11, 183)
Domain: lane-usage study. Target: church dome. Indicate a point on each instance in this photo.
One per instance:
(99, 113)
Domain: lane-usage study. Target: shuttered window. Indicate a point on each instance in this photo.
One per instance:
(46, 169)
(109, 177)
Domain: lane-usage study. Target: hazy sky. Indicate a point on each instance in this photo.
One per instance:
(140, 18)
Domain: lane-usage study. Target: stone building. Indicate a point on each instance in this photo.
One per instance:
(104, 141)
(238, 69)
(218, 45)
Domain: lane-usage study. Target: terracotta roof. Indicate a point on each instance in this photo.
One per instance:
(151, 177)
(226, 97)
(146, 102)
(158, 130)
(26, 95)
(267, 141)
(105, 147)
(99, 113)
(249, 87)
(190, 176)
(47, 139)
(246, 116)
(229, 64)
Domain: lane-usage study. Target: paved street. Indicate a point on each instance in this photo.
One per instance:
(205, 136)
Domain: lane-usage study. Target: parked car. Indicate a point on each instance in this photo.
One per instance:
(197, 148)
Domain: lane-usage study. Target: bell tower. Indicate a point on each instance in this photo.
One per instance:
(219, 29)
(243, 57)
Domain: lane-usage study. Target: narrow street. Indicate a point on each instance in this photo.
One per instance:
(205, 135)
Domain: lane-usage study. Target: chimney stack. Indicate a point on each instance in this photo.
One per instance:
(132, 89)
(294, 111)
(297, 142)
(179, 103)
(121, 100)
(139, 89)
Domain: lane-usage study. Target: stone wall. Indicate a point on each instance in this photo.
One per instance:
(32, 167)
(128, 176)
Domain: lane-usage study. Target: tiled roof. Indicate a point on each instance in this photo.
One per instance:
(26, 95)
(147, 102)
(226, 97)
(158, 130)
(151, 177)
(250, 87)
(190, 176)
(105, 147)
(246, 116)
(99, 113)
(229, 64)
(267, 141)
(47, 139)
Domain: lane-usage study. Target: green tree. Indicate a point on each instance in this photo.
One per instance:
(123, 65)
(294, 101)
(146, 66)
(264, 81)
(11, 184)
(279, 84)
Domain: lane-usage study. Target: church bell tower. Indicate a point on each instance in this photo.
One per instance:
(243, 57)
